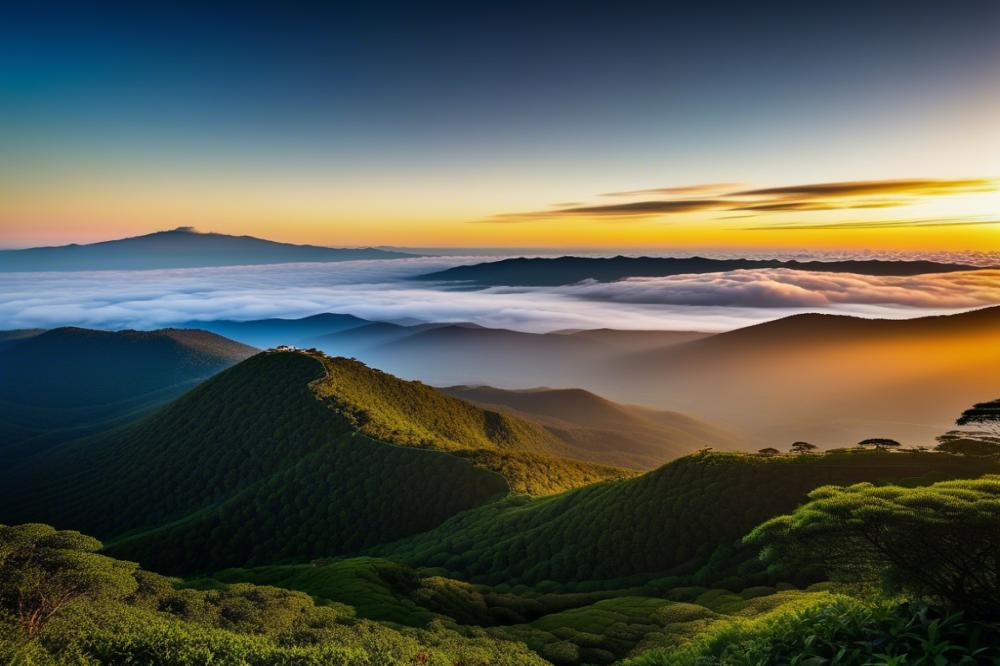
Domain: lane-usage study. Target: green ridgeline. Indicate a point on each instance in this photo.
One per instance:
(666, 520)
(265, 463)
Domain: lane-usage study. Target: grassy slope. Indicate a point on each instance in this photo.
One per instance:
(414, 414)
(653, 523)
(603, 431)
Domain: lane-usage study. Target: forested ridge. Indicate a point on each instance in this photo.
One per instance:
(410, 413)
(657, 522)
(269, 461)
(248, 467)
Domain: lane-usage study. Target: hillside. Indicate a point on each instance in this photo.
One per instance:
(282, 457)
(533, 459)
(551, 272)
(180, 248)
(828, 379)
(273, 332)
(655, 523)
(69, 381)
(601, 430)
(248, 467)
(444, 354)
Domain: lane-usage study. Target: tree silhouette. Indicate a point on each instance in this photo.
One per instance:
(803, 447)
(769, 452)
(878, 443)
(986, 415)
(967, 444)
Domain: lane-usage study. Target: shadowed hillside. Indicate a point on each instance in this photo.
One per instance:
(273, 332)
(654, 523)
(248, 467)
(69, 381)
(831, 380)
(445, 354)
(601, 430)
(283, 457)
(533, 459)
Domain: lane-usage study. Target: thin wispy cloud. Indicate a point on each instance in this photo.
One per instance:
(848, 195)
(858, 188)
(878, 224)
(704, 188)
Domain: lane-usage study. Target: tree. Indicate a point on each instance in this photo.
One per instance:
(960, 443)
(985, 415)
(43, 571)
(940, 541)
(878, 443)
(803, 447)
(769, 452)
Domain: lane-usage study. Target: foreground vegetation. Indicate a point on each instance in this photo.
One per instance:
(63, 602)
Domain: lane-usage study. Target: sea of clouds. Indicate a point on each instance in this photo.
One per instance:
(381, 290)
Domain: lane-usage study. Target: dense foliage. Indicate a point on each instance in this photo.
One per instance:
(941, 541)
(114, 613)
(247, 468)
(676, 515)
(837, 630)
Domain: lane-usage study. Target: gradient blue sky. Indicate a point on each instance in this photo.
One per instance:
(378, 123)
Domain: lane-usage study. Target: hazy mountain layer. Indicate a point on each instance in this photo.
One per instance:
(62, 383)
(180, 248)
(601, 430)
(832, 380)
(550, 272)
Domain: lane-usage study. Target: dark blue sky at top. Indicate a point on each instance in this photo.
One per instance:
(556, 84)
(472, 65)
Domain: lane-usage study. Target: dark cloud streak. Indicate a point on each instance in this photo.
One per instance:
(844, 195)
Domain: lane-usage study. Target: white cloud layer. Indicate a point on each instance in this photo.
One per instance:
(782, 287)
(378, 290)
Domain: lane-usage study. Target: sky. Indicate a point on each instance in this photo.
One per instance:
(641, 125)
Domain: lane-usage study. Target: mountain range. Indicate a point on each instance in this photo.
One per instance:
(558, 271)
(493, 524)
(314, 445)
(66, 382)
(828, 379)
(183, 247)
(604, 431)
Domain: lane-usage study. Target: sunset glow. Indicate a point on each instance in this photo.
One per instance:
(334, 143)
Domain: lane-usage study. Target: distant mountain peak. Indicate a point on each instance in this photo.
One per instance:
(182, 247)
